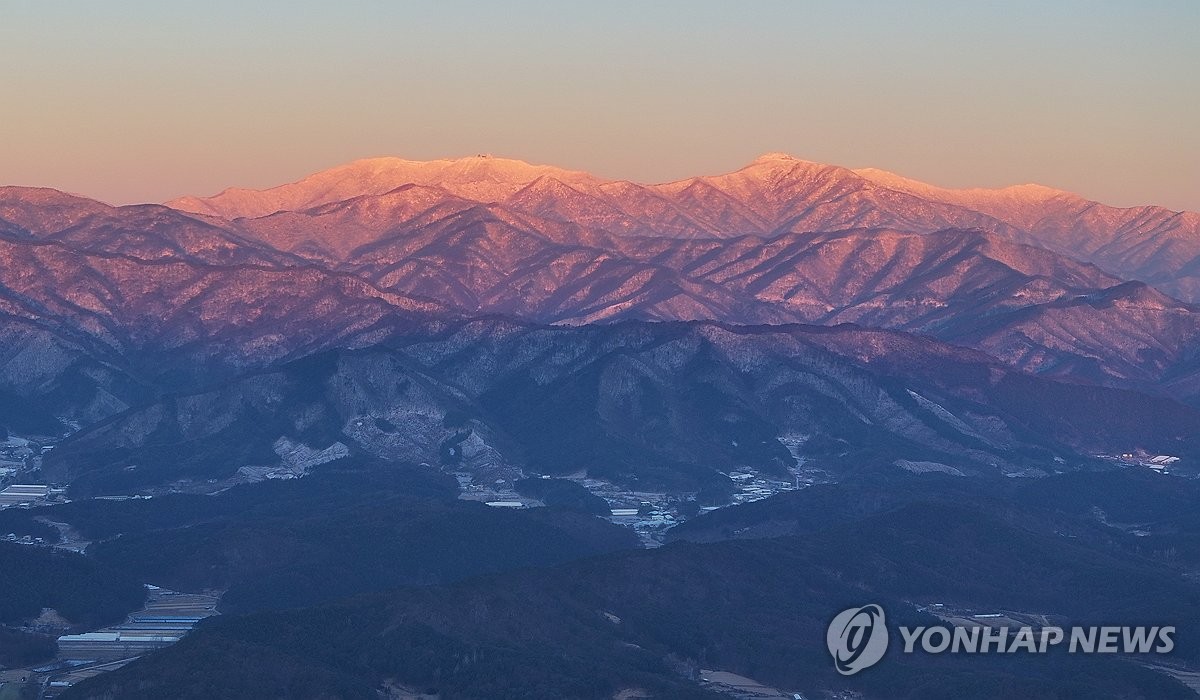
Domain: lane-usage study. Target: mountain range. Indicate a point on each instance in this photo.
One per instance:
(773, 195)
(1041, 279)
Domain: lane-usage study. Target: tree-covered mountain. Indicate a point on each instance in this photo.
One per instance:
(353, 526)
(645, 405)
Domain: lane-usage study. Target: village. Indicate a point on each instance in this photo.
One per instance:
(650, 514)
(163, 620)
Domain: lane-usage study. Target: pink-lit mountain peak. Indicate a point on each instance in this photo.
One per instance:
(1029, 191)
(1019, 205)
(482, 178)
(773, 167)
(41, 210)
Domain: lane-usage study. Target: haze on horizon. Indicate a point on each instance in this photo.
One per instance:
(142, 101)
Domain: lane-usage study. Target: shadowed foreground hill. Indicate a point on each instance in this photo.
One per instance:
(354, 526)
(81, 591)
(33, 578)
(651, 619)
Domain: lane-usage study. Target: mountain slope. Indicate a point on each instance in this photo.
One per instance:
(1152, 244)
(646, 405)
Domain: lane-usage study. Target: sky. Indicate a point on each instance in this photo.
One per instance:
(143, 101)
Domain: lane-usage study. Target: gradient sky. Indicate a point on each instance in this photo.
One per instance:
(143, 101)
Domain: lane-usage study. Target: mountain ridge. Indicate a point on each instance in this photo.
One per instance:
(774, 194)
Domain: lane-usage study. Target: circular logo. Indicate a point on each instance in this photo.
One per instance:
(857, 638)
